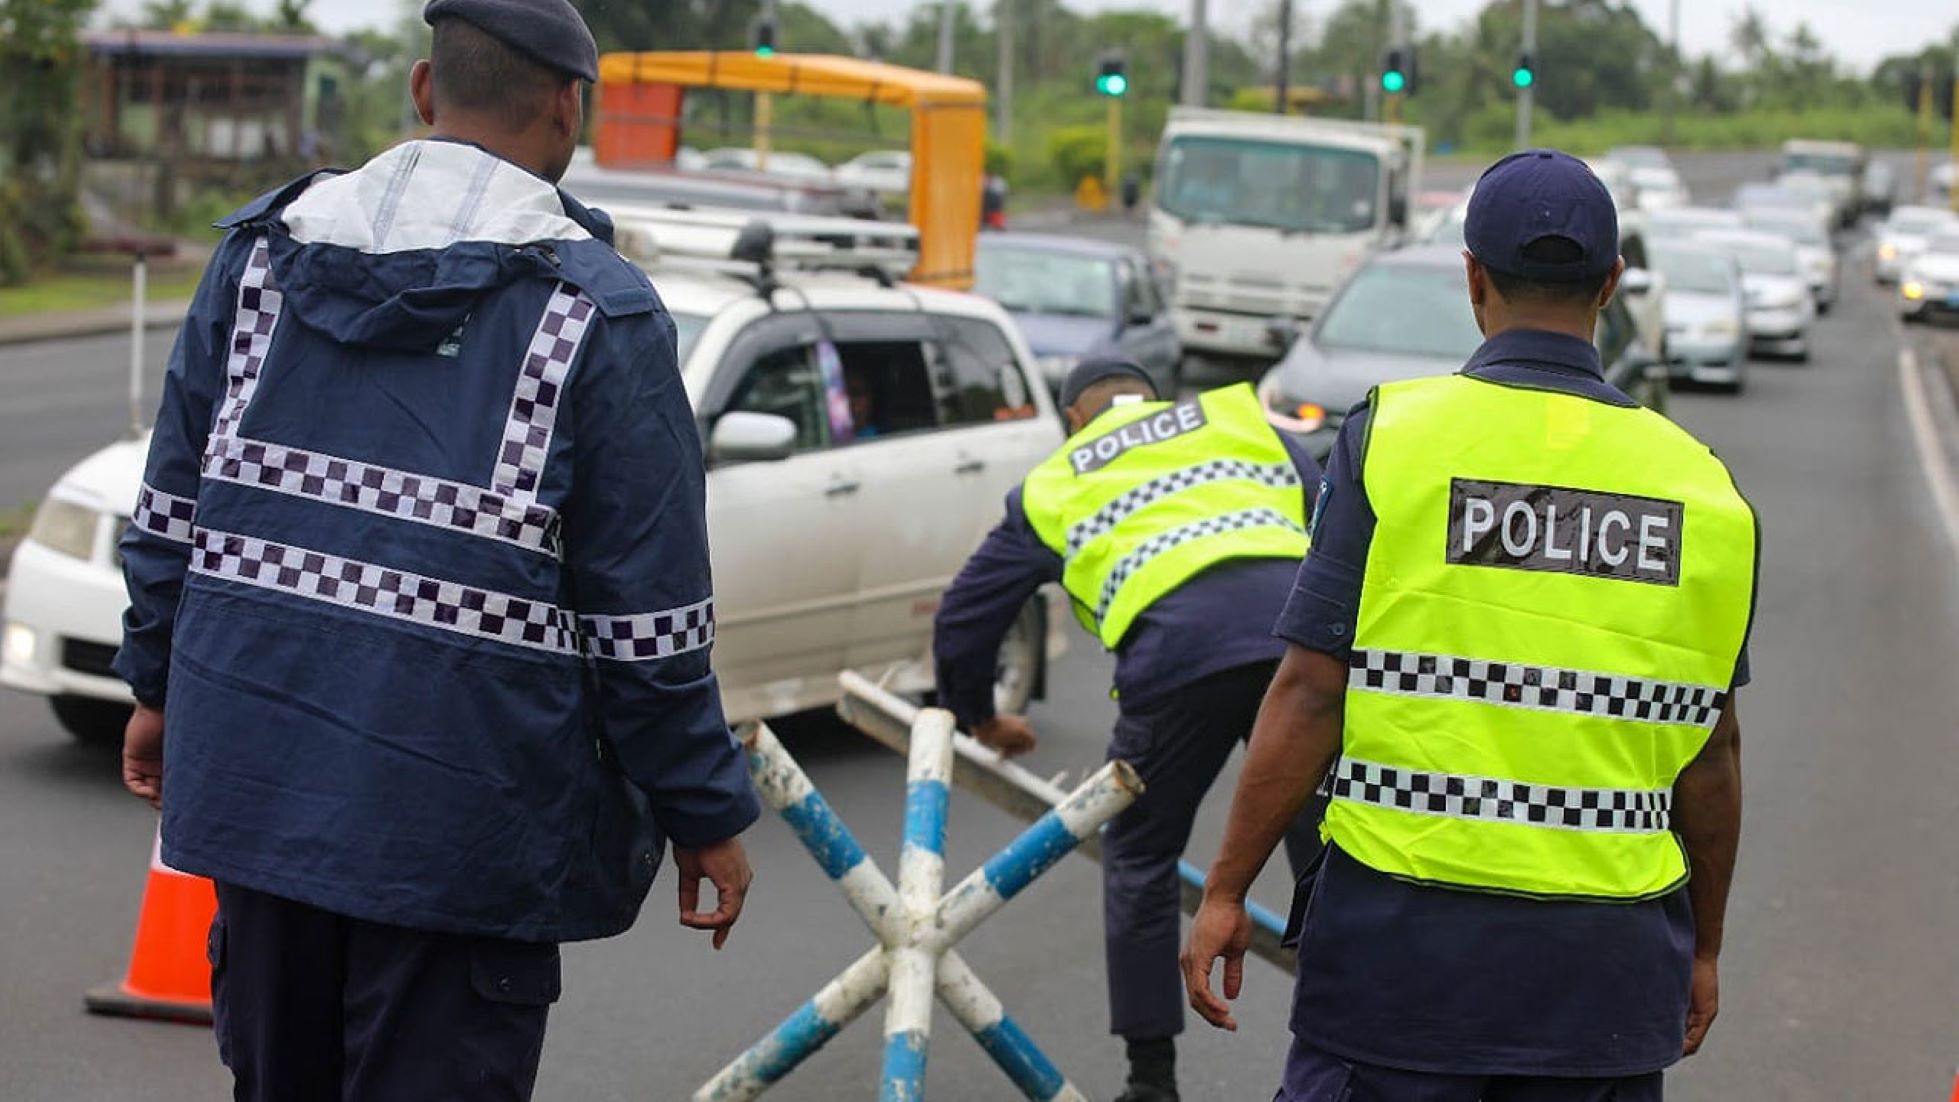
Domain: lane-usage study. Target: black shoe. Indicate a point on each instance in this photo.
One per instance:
(1141, 1093)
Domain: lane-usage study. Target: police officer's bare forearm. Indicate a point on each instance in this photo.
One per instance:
(1708, 795)
(1297, 736)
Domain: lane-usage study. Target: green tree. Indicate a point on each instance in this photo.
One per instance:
(40, 131)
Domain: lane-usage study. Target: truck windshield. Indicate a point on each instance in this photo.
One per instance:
(1276, 185)
(1823, 164)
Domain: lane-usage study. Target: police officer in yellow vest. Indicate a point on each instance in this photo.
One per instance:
(1176, 529)
(1514, 653)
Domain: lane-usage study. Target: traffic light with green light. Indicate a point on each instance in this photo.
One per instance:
(1525, 74)
(1112, 76)
(764, 37)
(1394, 71)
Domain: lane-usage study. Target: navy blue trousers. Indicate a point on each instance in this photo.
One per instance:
(1178, 744)
(1316, 1075)
(311, 1006)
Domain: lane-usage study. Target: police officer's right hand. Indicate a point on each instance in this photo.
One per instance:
(142, 755)
(1011, 735)
(724, 863)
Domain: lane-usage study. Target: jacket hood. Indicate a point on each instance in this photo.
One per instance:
(397, 253)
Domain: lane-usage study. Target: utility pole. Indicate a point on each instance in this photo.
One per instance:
(1281, 83)
(1003, 83)
(1197, 53)
(1673, 70)
(946, 11)
(1528, 92)
(1925, 79)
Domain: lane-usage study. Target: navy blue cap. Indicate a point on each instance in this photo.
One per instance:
(1097, 368)
(550, 32)
(1541, 193)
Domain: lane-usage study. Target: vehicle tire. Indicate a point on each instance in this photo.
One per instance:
(1023, 660)
(91, 721)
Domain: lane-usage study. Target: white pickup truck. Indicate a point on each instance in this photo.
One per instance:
(1255, 219)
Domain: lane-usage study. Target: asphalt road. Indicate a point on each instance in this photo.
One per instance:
(1840, 977)
(64, 399)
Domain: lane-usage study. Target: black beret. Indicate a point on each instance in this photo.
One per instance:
(549, 31)
(1097, 368)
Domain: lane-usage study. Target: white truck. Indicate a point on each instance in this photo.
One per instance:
(1255, 219)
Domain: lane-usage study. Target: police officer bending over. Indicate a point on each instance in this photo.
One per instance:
(1176, 530)
(420, 607)
(1514, 653)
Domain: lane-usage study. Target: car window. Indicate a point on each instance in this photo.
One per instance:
(981, 382)
(888, 383)
(1045, 281)
(788, 382)
(1373, 313)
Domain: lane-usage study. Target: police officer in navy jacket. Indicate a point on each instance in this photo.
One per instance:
(420, 607)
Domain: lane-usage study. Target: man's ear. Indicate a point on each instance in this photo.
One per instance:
(421, 89)
(570, 108)
(1479, 288)
(1612, 281)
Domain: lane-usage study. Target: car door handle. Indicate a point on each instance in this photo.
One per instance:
(841, 487)
(970, 466)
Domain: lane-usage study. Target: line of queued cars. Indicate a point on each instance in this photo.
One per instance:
(1918, 251)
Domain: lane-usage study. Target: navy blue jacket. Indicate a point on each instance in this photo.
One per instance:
(419, 571)
(1211, 623)
(1472, 983)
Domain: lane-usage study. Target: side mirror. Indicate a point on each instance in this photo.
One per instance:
(1636, 281)
(744, 436)
(1398, 210)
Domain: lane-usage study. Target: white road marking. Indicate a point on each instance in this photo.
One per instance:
(1931, 456)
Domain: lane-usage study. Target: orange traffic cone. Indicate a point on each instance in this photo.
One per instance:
(169, 973)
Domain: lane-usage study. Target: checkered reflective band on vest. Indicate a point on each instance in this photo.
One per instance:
(1553, 605)
(1149, 495)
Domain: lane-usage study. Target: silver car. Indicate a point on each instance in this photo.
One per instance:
(1406, 314)
(1707, 324)
(1780, 309)
(1903, 235)
(1814, 248)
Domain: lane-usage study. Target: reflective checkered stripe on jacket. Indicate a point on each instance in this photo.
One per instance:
(1184, 487)
(1513, 721)
(506, 511)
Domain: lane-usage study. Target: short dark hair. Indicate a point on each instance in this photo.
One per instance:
(1548, 250)
(475, 72)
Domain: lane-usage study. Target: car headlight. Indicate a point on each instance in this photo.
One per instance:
(1887, 251)
(1287, 414)
(20, 644)
(1056, 368)
(1913, 290)
(65, 527)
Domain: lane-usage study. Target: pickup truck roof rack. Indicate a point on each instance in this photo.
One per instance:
(754, 246)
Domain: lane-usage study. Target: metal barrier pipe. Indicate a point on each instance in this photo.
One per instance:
(1078, 816)
(802, 1033)
(786, 788)
(921, 872)
(887, 718)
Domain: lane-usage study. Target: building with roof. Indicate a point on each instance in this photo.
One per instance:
(216, 99)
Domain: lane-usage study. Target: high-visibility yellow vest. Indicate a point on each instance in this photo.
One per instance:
(1148, 495)
(1555, 598)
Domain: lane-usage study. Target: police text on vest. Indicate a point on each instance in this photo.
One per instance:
(1565, 530)
(1167, 423)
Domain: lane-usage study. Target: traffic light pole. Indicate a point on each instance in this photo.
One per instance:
(1281, 85)
(1112, 162)
(1952, 191)
(1528, 93)
(1197, 55)
(764, 102)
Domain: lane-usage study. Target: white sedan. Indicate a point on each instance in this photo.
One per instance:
(1930, 284)
(860, 440)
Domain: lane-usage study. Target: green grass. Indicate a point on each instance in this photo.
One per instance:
(90, 290)
(15, 521)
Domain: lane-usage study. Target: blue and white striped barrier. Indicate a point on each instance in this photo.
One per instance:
(915, 928)
(888, 719)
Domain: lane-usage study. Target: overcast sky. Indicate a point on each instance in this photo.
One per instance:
(1857, 33)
